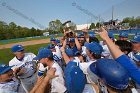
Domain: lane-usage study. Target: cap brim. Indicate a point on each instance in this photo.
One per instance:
(6, 69)
(20, 50)
(36, 59)
(124, 36)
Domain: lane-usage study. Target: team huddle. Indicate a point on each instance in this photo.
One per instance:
(77, 63)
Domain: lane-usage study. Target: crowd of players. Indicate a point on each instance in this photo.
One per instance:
(110, 66)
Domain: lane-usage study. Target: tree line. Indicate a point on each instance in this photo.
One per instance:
(133, 21)
(11, 30)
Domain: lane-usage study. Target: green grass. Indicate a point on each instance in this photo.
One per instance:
(26, 39)
(6, 54)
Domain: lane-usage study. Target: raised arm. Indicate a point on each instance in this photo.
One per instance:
(115, 51)
(77, 44)
(64, 55)
(86, 34)
(39, 81)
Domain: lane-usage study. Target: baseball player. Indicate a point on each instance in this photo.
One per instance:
(23, 67)
(135, 54)
(7, 84)
(56, 56)
(123, 36)
(45, 56)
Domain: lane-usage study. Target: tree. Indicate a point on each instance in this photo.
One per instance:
(98, 24)
(55, 26)
(12, 25)
(92, 26)
(3, 25)
(13, 31)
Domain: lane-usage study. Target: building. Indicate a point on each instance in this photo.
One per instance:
(83, 26)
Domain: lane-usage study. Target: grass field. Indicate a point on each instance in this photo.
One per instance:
(6, 54)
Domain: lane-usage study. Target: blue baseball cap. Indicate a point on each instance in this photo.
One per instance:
(69, 52)
(136, 39)
(111, 72)
(71, 39)
(51, 46)
(91, 35)
(43, 53)
(17, 48)
(35, 59)
(95, 47)
(110, 34)
(57, 41)
(4, 68)
(123, 34)
(52, 39)
(138, 33)
(81, 35)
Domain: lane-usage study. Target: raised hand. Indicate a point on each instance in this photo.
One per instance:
(51, 73)
(103, 33)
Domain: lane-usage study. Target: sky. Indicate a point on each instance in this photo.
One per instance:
(38, 13)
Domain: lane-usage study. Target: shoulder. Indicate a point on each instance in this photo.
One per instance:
(122, 57)
(56, 47)
(13, 61)
(84, 66)
(8, 87)
(58, 68)
(30, 54)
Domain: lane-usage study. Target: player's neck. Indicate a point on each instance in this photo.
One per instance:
(50, 63)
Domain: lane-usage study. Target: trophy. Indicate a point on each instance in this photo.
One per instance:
(69, 28)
